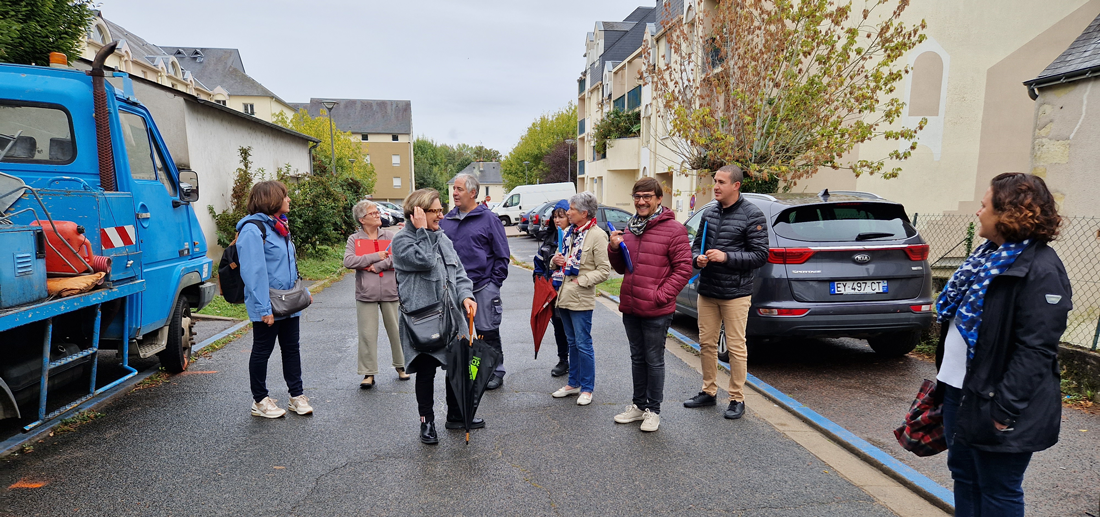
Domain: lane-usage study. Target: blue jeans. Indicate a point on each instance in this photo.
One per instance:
(647, 359)
(582, 359)
(987, 484)
(263, 344)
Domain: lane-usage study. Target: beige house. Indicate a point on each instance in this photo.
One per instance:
(384, 127)
(488, 177)
(213, 74)
(967, 79)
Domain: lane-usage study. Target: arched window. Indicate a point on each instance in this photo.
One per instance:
(924, 94)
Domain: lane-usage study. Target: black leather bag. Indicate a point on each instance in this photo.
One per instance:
(429, 327)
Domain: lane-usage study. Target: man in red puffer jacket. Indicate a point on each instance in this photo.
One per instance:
(660, 252)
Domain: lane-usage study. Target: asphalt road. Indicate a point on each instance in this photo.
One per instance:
(190, 446)
(846, 382)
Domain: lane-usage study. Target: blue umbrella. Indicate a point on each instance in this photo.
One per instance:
(702, 249)
(561, 241)
(622, 246)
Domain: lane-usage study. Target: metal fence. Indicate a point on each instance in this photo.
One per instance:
(951, 238)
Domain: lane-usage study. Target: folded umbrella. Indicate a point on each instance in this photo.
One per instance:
(542, 309)
(469, 368)
(702, 250)
(626, 252)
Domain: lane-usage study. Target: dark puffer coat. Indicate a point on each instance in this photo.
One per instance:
(740, 230)
(1014, 376)
(662, 267)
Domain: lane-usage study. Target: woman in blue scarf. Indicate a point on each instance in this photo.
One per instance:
(1003, 313)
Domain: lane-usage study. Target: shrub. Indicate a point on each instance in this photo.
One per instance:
(617, 124)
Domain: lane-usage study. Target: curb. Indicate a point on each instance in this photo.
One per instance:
(919, 483)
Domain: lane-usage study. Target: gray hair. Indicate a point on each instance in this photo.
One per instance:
(471, 183)
(360, 209)
(584, 202)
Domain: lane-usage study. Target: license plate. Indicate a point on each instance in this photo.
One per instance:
(859, 287)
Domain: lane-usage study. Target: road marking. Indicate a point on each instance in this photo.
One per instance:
(28, 483)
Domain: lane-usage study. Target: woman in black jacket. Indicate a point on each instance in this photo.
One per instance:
(1003, 313)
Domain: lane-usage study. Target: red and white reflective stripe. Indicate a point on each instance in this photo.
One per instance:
(117, 236)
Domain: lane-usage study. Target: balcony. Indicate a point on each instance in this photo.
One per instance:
(580, 127)
(580, 168)
(580, 86)
(620, 103)
(634, 98)
(623, 154)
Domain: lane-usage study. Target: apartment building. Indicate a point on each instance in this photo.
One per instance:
(967, 79)
(384, 129)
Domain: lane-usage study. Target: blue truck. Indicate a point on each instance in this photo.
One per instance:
(89, 197)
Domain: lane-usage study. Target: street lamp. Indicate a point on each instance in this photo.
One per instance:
(573, 169)
(331, 134)
(525, 178)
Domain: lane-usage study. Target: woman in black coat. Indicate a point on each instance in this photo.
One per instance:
(1003, 313)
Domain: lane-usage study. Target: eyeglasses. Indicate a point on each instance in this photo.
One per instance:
(437, 211)
(644, 197)
(372, 214)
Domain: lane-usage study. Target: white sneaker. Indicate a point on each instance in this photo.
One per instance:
(565, 391)
(651, 421)
(267, 408)
(300, 405)
(632, 414)
(585, 399)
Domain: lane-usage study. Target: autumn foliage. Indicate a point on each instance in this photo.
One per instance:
(783, 87)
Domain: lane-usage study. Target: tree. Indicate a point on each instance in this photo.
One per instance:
(349, 151)
(31, 29)
(784, 87)
(436, 163)
(560, 163)
(547, 131)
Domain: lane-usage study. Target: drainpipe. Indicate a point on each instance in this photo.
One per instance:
(311, 148)
(102, 119)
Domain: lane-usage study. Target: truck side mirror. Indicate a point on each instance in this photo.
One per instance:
(189, 186)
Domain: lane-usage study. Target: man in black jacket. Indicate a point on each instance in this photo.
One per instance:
(736, 238)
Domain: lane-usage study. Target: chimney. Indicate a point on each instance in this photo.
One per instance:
(480, 167)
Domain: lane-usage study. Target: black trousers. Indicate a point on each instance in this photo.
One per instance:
(426, 366)
(263, 344)
(559, 336)
(492, 338)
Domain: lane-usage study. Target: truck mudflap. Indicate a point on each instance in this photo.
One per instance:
(207, 291)
(8, 407)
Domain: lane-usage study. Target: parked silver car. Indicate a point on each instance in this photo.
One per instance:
(840, 264)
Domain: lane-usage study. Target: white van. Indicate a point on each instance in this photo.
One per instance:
(526, 197)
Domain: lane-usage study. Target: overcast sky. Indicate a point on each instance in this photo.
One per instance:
(475, 71)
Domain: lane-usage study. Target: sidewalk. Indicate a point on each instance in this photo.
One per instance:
(190, 446)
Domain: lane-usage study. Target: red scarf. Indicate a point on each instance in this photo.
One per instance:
(282, 225)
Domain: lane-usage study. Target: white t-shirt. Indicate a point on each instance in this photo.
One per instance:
(953, 367)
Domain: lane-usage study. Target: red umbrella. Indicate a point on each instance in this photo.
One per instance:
(541, 309)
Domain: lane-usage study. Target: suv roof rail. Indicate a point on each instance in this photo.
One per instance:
(763, 196)
(857, 193)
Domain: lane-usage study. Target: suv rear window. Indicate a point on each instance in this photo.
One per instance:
(844, 222)
(44, 133)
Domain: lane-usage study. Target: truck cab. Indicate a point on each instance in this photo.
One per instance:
(102, 167)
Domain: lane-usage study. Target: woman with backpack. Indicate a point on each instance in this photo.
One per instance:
(267, 261)
(430, 276)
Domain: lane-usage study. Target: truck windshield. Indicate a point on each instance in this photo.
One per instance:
(44, 133)
(844, 222)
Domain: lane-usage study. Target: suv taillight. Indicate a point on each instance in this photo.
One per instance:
(917, 251)
(789, 255)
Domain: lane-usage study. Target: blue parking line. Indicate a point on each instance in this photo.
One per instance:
(901, 472)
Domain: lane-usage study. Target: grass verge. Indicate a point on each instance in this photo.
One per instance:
(71, 424)
(611, 285)
(219, 307)
(324, 265)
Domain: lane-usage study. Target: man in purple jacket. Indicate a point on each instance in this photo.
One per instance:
(660, 254)
(482, 246)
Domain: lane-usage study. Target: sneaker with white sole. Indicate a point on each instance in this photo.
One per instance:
(632, 414)
(300, 405)
(267, 408)
(585, 399)
(650, 421)
(565, 391)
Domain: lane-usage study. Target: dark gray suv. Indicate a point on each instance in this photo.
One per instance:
(840, 264)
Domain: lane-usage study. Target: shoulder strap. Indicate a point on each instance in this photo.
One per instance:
(262, 227)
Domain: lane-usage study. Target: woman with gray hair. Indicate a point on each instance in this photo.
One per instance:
(429, 272)
(369, 255)
(584, 264)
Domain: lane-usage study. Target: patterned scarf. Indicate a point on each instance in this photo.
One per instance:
(637, 224)
(282, 225)
(575, 239)
(963, 297)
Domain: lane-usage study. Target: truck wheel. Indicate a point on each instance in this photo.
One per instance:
(895, 344)
(176, 357)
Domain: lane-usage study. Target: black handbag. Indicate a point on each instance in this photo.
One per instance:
(429, 327)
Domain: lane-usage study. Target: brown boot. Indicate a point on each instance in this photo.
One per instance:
(401, 375)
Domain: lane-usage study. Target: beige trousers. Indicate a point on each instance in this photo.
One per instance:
(735, 313)
(366, 314)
